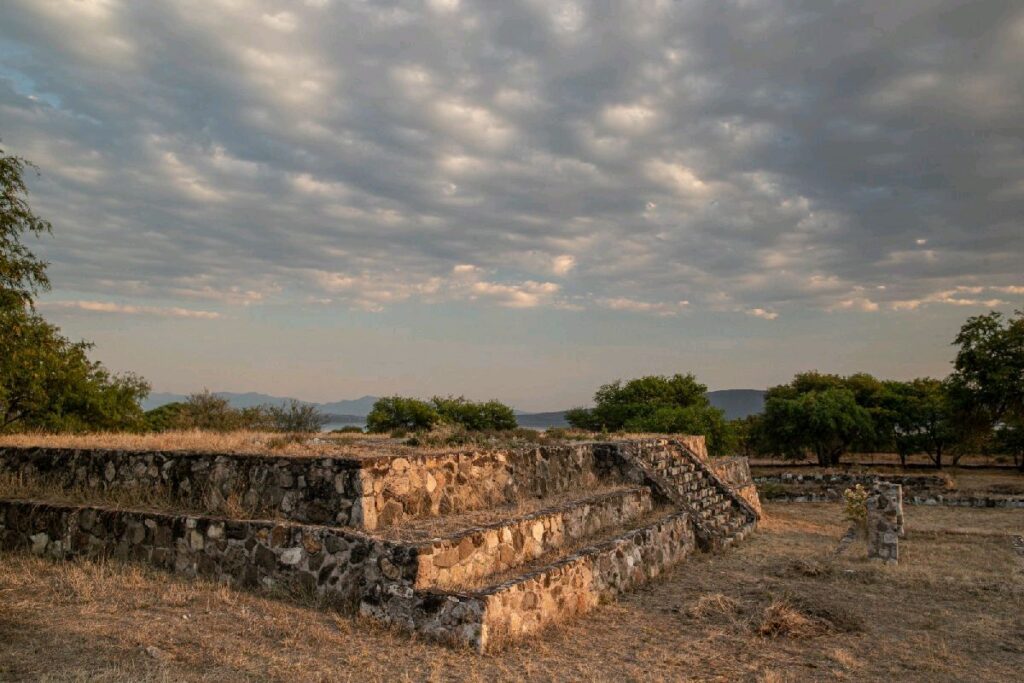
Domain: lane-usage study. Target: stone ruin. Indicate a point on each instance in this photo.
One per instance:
(473, 547)
(885, 522)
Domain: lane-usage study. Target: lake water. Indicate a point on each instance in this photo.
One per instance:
(338, 425)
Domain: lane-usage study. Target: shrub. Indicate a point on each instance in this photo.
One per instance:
(349, 429)
(296, 417)
(399, 413)
(855, 506)
(475, 417)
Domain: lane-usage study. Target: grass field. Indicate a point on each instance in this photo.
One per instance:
(774, 609)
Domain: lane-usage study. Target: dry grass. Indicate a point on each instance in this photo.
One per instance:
(241, 443)
(952, 610)
(782, 620)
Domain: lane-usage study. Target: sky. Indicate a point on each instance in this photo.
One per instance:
(520, 199)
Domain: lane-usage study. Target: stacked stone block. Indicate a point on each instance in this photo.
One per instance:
(885, 521)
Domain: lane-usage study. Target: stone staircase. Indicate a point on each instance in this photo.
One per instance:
(477, 548)
(719, 516)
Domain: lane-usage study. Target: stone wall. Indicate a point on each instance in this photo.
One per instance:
(486, 619)
(840, 481)
(580, 582)
(368, 492)
(735, 474)
(466, 556)
(437, 484)
(312, 490)
(340, 565)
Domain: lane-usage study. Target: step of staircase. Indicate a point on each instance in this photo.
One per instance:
(542, 594)
(472, 553)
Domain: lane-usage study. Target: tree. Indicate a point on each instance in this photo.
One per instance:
(396, 412)
(47, 382)
(922, 418)
(815, 413)
(22, 275)
(474, 416)
(987, 384)
(669, 405)
(989, 365)
(1009, 439)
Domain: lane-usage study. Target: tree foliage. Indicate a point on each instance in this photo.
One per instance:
(474, 416)
(920, 418)
(820, 414)
(987, 384)
(22, 274)
(400, 413)
(47, 382)
(410, 414)
(668, 405)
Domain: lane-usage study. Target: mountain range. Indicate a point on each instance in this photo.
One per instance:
(736, 403)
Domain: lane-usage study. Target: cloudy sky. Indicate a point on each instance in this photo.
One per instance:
(519, 199)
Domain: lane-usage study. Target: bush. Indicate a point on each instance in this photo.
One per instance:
(350, 429)
(398, 413)
(296, 417)
(164, 418)
(475, 417)
(209, 412)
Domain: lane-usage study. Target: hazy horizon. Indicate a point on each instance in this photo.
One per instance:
(521, 200)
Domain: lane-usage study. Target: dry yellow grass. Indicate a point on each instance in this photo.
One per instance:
(953, 610)
(241, 442)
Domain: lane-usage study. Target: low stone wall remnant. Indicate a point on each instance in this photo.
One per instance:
(885, 521)
(339, 564)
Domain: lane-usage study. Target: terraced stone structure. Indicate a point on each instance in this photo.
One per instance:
(472, 547)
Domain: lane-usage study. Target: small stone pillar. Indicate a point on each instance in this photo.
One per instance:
(885, 521)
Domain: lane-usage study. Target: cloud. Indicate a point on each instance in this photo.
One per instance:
(127, 309)
(626, 159)
(662, 309)
(762, 313)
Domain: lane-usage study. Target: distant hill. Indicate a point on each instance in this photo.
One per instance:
(738, 403)
(358, 406)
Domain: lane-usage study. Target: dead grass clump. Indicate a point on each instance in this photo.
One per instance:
(714, 606)
(805, 567)
(780, 619)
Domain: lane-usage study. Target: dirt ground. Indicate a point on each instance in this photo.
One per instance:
(774, 609)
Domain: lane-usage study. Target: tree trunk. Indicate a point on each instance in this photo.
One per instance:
(937, 458)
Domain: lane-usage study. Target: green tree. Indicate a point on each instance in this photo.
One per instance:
(669, 405)
(396, 412)
(47, 382)
(818, 414)
(22, 274)
(474, 416)
(1009, 439)
(922, 418)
